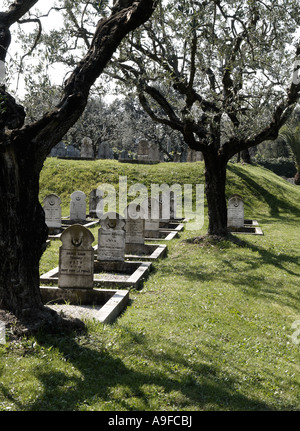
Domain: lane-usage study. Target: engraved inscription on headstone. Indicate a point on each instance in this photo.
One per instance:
(78, 206)
(76, 258)
(52, 209)
(135, 224)
(111, 238)
(235, 212)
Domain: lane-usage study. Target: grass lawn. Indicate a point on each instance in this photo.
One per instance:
(212, 328)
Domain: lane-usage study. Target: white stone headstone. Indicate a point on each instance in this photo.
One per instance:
(78, 206)
(52, 209)
(135, 224)
(235, 212)
(111, 238)
(76, 258)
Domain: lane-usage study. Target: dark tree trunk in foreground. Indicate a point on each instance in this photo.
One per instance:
(23, 150)
(23, 233)
(215, 183)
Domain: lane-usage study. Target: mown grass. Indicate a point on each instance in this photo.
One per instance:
(210, 330)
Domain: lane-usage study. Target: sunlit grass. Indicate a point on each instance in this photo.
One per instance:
(210, 330)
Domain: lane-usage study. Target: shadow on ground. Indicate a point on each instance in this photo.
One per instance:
(96, 380)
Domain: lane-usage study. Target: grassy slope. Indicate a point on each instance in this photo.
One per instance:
(210, 330)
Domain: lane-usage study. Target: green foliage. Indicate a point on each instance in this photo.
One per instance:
(281, 166)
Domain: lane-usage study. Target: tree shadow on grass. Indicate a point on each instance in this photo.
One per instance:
(229, 271)
(275, 201)
(98, 373)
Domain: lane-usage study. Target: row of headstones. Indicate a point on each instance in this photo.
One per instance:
(147, 152)
(77, 255)
(158, 211)
(78, 211)
(86, 150)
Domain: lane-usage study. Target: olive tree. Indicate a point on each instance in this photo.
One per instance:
(222, 73)
(24, 148)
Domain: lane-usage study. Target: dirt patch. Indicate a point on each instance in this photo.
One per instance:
(212, 240)
(45, 320)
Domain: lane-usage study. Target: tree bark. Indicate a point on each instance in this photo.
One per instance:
(215, 183)
(23, 232)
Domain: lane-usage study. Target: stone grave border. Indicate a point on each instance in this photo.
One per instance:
(251, 227)
(88, 224)
(156, 251)
(135, 279)
(166, 235)
(113, 302)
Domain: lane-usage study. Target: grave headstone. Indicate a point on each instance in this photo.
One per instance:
(111, 238)
(173, 205)
(183, 157)
(193, 155)
(235, 212)
(148, 152)
(59, 150)
(78, 206)
(72, 151)
(105, 151)
(123, 155)
(164, 207)
(135, 224)
(87, 151)
(154, 153)
(151, 209)
(76, 258)
(96, 197)
(143, 151)
(52, 209)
